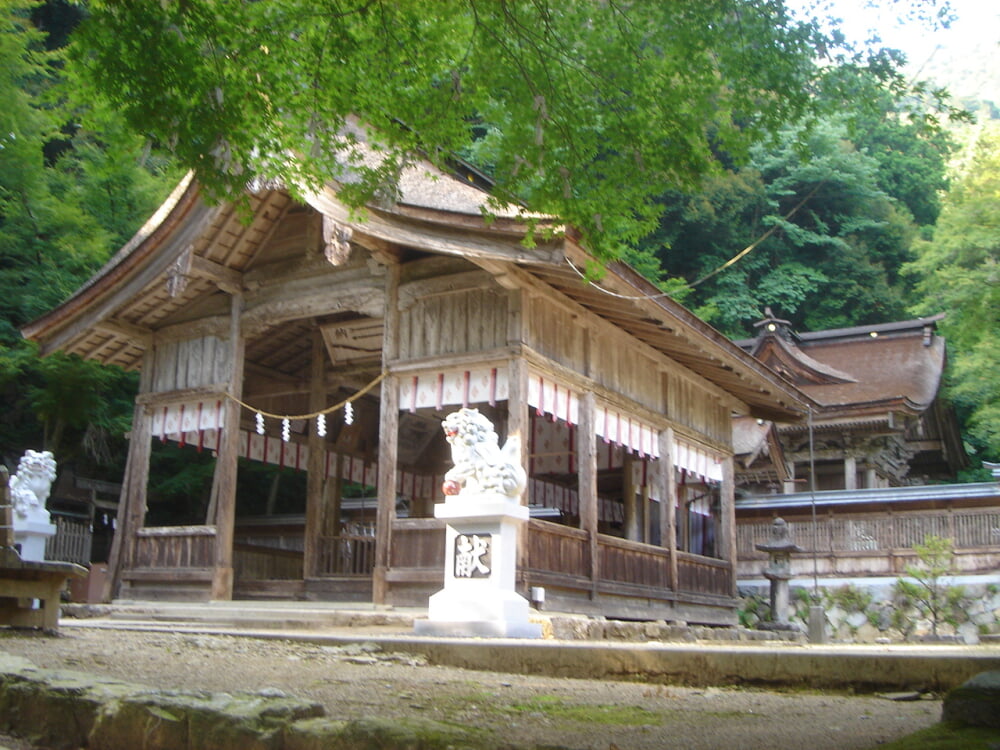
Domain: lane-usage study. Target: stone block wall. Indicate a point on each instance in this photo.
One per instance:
(880, 613)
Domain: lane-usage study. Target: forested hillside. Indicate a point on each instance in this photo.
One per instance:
(739, 158)
(74, 185)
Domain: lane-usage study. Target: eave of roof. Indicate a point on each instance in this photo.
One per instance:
(892, 495)
(639, 307)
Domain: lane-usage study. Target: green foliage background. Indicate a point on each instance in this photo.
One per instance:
(675, 135)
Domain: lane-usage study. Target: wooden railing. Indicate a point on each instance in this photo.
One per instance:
(71, 542)
(417, 543)
(257, 562)
(561, 553)
(346, 554)
(623, 561)
(870, 532)
(553, 548)
(175, 547)
(704, 575)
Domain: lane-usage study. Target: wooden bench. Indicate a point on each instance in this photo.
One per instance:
(25, 582)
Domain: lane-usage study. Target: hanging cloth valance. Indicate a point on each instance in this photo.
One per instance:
(549, 397)
(697, 460)
(485, 385)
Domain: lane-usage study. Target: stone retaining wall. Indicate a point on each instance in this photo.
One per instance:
(66, 710)
(877, 613)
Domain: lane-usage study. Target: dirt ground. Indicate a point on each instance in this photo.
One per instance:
(360, 681)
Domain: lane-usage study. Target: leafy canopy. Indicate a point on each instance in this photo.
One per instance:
(959, 271)
(827, 242)
(74, 185)
(586, 110)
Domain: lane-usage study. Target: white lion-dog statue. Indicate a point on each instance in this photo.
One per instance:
(31, 485)
(481, 467)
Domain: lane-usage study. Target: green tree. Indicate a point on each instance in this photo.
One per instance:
(585, 110)
(899, 126)
(74, 185)
(824, 242)
(929, 591)
(958, 272)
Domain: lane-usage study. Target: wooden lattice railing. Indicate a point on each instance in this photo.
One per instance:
(872, 532)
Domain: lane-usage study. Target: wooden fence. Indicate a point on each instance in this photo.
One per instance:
(71, 542)
(257, 562)
(417, 543)
(165, 547)
(875, 543)
(346, 554)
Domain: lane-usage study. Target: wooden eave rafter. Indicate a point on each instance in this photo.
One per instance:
(143, 259)
(114, 317)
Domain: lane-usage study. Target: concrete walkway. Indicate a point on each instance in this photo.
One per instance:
(653, 652)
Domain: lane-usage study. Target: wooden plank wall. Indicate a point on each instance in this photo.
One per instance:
(687, 404)
(454, 322)
(191, 363)
(626, 366)
(556, 332)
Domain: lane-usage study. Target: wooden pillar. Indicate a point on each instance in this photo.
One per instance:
(388, 439)
(518, 411)
(668, 496)
(226, 461)
(333, 497)
(728, 517)
(586, 451)
(132, 502)
(630, 511)
(519, 423)
(316, 464)
(850, 473)
(644, 514)
(871, 479)
(386, 512)
(789, 486)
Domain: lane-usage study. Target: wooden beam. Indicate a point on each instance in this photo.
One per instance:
(141, 335)
(437, 286)
(181, 396)
(311, 298)
(226, 278)
(433, 236)
(214, 325)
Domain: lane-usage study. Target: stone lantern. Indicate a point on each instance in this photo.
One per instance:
(780, 548)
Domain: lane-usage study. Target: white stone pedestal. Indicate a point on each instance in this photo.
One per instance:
(31, 536)
(478, 598)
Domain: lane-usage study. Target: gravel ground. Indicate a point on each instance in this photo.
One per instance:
(361, 681)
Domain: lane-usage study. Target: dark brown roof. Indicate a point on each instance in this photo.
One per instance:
(859, 372)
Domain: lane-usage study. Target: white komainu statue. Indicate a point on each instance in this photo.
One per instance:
(30, 487)
(481, 467)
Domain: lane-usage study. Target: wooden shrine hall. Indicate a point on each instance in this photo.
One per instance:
(246, 328)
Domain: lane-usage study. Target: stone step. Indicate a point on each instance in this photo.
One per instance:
(250, 615)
